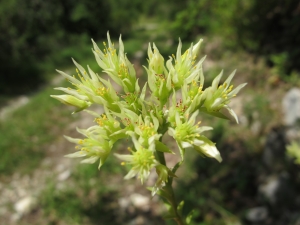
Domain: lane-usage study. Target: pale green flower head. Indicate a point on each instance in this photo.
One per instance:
(188, 134)
(159, 80)
(217, 97)
(156, 60)
(185, 67)
(116, 64)
(147, 131)
(89, 87)
(141, 160)
(94, 147)
(168, 103)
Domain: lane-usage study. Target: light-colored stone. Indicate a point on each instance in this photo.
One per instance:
(124, 202)
(12, 106)
(25, 205)
(140, 201)
(64, 175)
(257, 214)
(291, 106)
(270, 188)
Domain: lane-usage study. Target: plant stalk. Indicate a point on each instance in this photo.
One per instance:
(170, 197)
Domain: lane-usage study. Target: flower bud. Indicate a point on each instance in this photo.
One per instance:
(73, 101)
(156, 60)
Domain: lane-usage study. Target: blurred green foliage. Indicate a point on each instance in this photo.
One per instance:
(263, 27)
(34, 32)
(272, 27)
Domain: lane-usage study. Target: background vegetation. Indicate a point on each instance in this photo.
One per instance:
(260, 39)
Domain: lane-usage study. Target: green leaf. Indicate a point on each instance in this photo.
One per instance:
(174, 171)
(162, 193)
(179, 207)
(216, 114)
(162, 147)
(170, 214)
(176, 167)
(189, 217)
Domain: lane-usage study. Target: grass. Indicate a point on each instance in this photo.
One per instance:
(26, 132)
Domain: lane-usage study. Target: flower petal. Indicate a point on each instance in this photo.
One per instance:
(90, 160)
(76, 154)
(232, 113)
(127, 158)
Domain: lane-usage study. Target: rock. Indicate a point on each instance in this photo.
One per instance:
(124, 203)
(25, 205)
(293, 134)
(257, 214)
(270, 188)
(256, 127)
(139, 201)
(64, 175)
(277, 191)
(291, 107)
(12, 106)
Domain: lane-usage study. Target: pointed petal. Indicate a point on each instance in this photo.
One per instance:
(204, 128)
(216, 81)
(127, 158)
(68, 77)
(196, 47)
(232, 113)
(228, 80)
(236, 90)
(81, 69)
(130, 174)
(193, 117)
(90, 160)
(186, 144)
(76, 154)
(178, 53)
(72, 140)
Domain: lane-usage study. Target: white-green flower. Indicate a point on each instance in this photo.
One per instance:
(142, 160)
(90, 87)
(146, 129)
(159, 80)
(188, 134)
(185, 68)
(117, 66)
(156, 60)
(95, 147)
(217, 97)
(190, 100)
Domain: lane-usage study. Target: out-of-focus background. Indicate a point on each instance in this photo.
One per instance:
(257, 182)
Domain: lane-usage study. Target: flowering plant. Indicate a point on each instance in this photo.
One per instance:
(145, 114)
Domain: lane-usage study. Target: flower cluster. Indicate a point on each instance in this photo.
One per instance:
(169, 102)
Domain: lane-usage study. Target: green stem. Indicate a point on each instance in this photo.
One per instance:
(169, 189)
